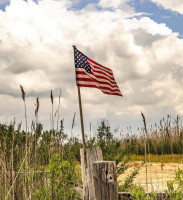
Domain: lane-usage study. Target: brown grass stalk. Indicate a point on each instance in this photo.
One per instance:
(58, 115)
(145, 129)
(52, 124)
(25, 181)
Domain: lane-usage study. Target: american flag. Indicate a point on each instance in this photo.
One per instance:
(91, 74)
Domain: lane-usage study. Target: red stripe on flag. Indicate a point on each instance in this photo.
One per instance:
(97, 76)
(94, 80)
(105, 68)
(99, 86)
(94, 86)
(94, 75)
(101, 72)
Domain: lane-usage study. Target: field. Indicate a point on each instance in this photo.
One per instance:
(43, 164)
(158, 174)
(172, 158)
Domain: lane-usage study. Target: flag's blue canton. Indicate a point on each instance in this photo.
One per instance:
(81, 61)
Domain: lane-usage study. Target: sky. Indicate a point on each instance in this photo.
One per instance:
(140, 40)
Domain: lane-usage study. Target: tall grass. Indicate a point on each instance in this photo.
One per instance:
(27, 157)
(164, 138)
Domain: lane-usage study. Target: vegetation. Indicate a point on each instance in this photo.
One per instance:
(161, 139)
(48, 171)
(166, 158)
(45, 164)
(171, 193)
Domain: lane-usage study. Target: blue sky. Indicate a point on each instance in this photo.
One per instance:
(160, 15)
(157, 13)
(3, 5)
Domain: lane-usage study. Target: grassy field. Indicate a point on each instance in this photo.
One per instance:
(172, 158)
(45, 164)
(158, 175)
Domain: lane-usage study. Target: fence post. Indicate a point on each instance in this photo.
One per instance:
(105, 180)
(92, 154)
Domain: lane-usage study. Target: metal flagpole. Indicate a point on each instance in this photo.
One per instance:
(82, 126)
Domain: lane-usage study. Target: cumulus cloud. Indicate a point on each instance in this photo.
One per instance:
(36, 52)
(112, 4)
(175, 5)
(117, 4)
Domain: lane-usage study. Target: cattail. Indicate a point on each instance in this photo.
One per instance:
(144, 120)
(37, 106)
(25, 178)
(52, 118)
(19, 126)
(23, 93)
(145, 128)
(62, 125)
(56, 113)
(52, 126)
(58, 108)
(14, 122)
(51, 96)
(161, 123)
(73, 120)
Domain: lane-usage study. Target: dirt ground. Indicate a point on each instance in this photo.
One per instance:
(157, 175)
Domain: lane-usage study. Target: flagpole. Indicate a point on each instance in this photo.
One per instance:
(82, 126)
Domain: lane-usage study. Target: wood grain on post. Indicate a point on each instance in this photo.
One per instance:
(92, 154)
(105, 180)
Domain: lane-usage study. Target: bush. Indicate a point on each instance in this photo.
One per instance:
(62, 179)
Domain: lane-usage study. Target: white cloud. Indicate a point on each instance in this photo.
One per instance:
(117, 4)
(148, 25)
(112, 4)
(175, 5)
(36, 52)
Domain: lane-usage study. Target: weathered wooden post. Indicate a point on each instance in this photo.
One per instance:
(105, 180)
(92, 154)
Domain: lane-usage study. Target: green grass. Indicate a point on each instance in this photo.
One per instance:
(175, 158)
